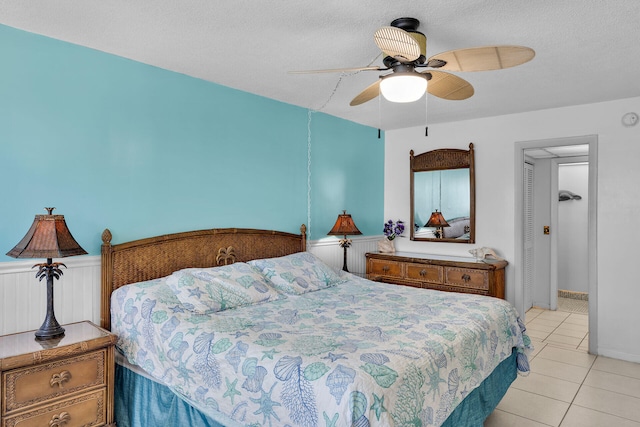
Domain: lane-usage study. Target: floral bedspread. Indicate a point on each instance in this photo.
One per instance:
(359, 353)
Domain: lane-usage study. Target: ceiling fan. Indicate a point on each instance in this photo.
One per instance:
(404, 49)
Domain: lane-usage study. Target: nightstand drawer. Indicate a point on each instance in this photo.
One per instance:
(424, 273)
(468, 278)
(385, 268)
(85, 410)
(35, 384)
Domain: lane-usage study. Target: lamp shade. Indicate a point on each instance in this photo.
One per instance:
(437, 220)
(344, 226)
(403, 87)
(48, 237)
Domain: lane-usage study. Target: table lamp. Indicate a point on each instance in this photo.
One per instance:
(48, 238)
(344, 226)
(437, 220)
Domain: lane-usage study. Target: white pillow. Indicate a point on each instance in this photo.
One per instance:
(208, 290)
(297, 273)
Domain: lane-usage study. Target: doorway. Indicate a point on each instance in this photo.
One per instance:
(537, 253)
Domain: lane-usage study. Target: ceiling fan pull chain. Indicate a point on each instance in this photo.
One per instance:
(426, 116)
(379, 111)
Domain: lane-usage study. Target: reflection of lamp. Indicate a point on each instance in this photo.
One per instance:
(403, 86)
(437, 220)
(344, 226)
(48, 237)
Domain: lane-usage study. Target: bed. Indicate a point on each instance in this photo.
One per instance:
(458, 228)
(238, 327)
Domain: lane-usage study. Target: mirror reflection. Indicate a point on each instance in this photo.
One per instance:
(447, 192)
(443, 196)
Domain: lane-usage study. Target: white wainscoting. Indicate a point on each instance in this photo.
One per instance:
(23, 299)
(330, 252)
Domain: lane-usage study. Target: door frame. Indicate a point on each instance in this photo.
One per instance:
(520, 147)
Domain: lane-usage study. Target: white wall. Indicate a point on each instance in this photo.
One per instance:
(494, 138)
(573, 228)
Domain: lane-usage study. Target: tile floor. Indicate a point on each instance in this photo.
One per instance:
(568, 387)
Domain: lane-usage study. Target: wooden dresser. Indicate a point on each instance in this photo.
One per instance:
(446, 273)
(63, 382)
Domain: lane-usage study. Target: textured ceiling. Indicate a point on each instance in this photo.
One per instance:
(586, 50)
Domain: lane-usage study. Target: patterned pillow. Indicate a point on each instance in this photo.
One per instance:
(208, 290)
(297, 273)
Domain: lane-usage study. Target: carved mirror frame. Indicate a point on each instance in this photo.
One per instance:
(445, 159)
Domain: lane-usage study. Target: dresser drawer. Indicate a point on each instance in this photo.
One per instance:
(85, 410)
(35, 384)
(453, 274)
(378, 267)
(424, 273)
(467, 278)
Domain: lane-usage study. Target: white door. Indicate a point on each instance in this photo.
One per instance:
(528, 270)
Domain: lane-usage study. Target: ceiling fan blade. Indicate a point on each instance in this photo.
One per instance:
(448, 86)
(368, 94)
(339, 70)
(484, 58)
(397, 43)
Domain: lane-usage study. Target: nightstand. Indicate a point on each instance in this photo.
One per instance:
(62, 382)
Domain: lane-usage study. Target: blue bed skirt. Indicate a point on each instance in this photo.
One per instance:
(141, 402)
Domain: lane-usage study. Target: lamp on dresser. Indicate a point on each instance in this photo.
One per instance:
(49, 237)
(344, 226)
(437, 220)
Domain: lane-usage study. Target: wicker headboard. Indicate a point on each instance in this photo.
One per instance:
(156, 257)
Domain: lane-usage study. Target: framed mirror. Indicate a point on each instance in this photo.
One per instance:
(443, 194)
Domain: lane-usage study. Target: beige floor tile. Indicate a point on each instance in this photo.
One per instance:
(615, 366)
(563, 339)
(530, 317)
(500, 418)
(533, 406)
(578, 319)
(609, 402)
(537, 347)
(539, 335)
(554, 315)
(571, 357)
(563, 371)
(578, 416)
(574, 327)
(547, 386)
(564, 346)
(537, 326)
(546, 322)
(613, 382)
(562, 330)
(584, 345)
(536, 310)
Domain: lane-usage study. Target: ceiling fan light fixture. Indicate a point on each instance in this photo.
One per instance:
(403, 87)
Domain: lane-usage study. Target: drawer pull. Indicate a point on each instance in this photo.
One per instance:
(385, 268)
(466, 278)
(423, 272)
(59, 379)
(59, 420)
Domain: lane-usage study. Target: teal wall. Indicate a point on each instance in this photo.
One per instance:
(347, 174)
(114, 143)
